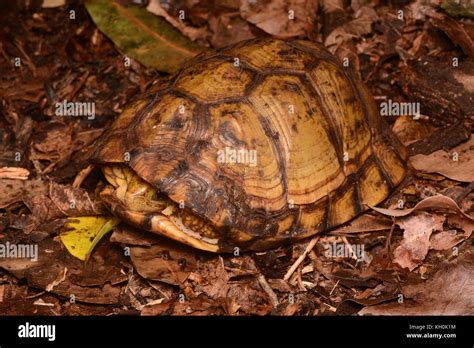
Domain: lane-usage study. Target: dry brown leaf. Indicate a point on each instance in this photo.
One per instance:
(199, 305)
(445, 240)
(448, 239)
(193, 33)
(437, 202)
(416, 238)
(73, 201)
(228, 28)
(329, 6)
(42, 209)
(12, 191)
(456, 32)
(167, 262)
(361, 25)
(59, 279)
(90, 282)
(216, 285)
(419, 9)
(444, 163)
(467, 80)
(273, 17)
(449, 292)
(459, 222)
(54, 143)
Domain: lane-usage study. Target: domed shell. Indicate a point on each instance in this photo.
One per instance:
(268, 140)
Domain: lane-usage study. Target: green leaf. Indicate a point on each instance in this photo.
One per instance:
(83, 234)
(141, 35)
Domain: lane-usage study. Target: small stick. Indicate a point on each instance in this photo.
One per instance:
(388, 244)
(265, 286)
(346, 242)
(300, 259)
(334, 288)
(81, 176)
(17, 173)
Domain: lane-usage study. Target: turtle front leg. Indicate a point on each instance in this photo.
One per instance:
(135, 193)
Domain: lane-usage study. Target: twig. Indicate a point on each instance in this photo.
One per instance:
(346, 242)
(81, 176)
(388, 244)
(334, 288)
(300, 280)
(14, 173)
(300, 259)
(265, 286)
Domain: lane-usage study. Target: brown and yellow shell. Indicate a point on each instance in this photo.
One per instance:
(323, 154)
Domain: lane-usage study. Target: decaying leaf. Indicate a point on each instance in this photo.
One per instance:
(14, 190)
(438, 202)
(361, 25)
(281, 18)
(416, 238)
(91, 282)
(450, 291)
(458, 164)
(60, 278)
(446, 240)
(167, 262)
(155, 7)
(73, 201)
(141, 35)
(456, 32)
(199, 305)
(228, 29)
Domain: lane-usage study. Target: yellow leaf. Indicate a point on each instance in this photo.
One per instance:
(83, 234)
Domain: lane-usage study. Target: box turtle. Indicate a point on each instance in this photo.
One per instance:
(254, 145)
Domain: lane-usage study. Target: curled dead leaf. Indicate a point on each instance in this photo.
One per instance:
(416, 238)
(449, 292)
(438, 202)
(457, 165)
(281, 18)
(166, 262)
(361, 25)
(15, 190)
(155, 7)
(73, 201)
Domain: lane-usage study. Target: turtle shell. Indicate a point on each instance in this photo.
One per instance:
(267, 140)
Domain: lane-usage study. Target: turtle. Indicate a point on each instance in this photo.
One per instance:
(252, 146)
